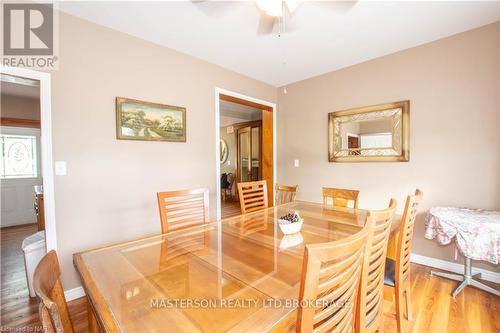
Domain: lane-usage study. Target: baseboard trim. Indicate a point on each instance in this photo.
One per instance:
(453, 267)
(74, 293)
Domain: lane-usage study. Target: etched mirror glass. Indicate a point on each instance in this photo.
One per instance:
(374, 133)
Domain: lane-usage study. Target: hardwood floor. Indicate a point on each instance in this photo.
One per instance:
(229, 209)
(18, 311)
(434, 310)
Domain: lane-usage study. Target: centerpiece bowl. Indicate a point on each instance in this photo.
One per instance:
(290, 223)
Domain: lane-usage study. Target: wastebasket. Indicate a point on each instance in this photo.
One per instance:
(34, 249)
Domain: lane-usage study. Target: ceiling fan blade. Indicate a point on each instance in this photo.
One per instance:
(287, 24)
(337, 6)
(266, 25)
(215, 8)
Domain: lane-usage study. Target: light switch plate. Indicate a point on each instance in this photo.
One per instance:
(60, 168)
(296, 163)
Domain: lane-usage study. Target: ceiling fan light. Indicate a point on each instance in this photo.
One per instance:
(292, 4)
(271, 7)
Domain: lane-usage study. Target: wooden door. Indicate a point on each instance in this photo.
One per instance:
(267, 153)
(244, 154)
(353, 142)
(249, 156)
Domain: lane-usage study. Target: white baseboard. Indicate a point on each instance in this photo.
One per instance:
(74, 293)
(453, 267)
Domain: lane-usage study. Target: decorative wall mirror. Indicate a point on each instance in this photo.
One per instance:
(224, 151)
(378, 133)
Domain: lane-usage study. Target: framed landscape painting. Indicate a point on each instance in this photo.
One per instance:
(138, 120)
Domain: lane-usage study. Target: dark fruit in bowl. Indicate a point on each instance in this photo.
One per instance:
(291, 217)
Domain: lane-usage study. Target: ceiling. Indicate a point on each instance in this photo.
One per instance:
(235, 110)
(321, 36)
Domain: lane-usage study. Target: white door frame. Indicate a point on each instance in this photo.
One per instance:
(221, 91)
(46, 145)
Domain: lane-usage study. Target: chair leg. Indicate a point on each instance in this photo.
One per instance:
(399, 310)
(408, 303)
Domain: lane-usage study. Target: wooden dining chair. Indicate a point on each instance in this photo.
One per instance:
(285, 194)
(253, 196)
(53, 309)
(397, 273)
(371, 293)
(340, 197)
(183, 208)
(329, 286)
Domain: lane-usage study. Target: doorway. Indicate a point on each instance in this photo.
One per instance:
(26, 167)
(249, 151)
(245, 136)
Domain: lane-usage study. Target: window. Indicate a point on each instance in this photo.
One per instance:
(19, 156)
(376, 140)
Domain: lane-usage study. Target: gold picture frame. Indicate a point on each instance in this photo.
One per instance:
(146, 121)
(398, 113)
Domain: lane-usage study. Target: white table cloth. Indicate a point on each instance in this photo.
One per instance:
(477, 231)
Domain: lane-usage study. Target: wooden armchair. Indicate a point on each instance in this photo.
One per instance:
(183, 208)
(53, 309)
(371, 292)
(285, 194)
(397, 273)
(227, 191)
(330, 276)
(253, 196)
(340, 197)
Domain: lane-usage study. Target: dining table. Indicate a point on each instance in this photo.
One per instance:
(239, 274)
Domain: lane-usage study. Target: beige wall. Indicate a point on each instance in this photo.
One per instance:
(20, 107)
(453, 88)
(109, 193)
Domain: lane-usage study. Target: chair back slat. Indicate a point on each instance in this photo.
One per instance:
(403, 251)
(53, 308)
(370, 306)
(340, 197)
(181, 244)
(331, 273)
(253, 196)
(285, 194)
(183, 208)
(251, 224)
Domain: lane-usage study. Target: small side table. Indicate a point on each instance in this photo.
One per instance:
(466, 279)
(475, 232)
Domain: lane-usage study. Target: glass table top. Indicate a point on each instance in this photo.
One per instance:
(229, 275)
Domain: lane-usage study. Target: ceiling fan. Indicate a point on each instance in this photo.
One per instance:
(275, 13)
